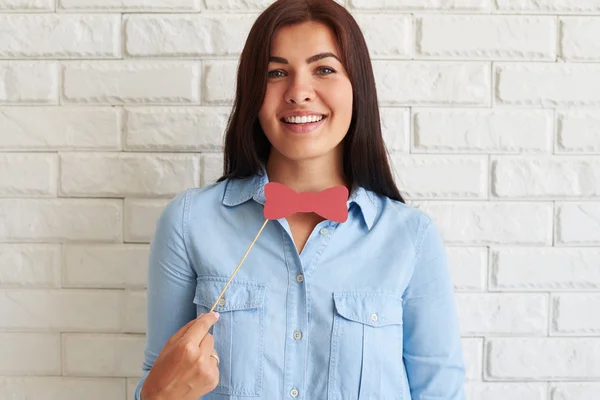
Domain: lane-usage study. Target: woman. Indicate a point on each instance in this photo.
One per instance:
(362, 309)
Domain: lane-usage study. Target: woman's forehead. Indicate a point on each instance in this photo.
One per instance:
(304, 40)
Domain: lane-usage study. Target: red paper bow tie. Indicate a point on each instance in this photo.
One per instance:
(283, 201)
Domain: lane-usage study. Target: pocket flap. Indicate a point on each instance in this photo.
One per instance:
(374, 309)
(240, 295)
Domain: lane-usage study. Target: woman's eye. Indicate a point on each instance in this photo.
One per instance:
(276, 74)
(325, 71)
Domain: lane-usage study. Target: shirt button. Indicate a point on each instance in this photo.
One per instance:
(300, 278)
(374, 317)
(297, 335)
(324, 231)
(294, 393)
(222, 302)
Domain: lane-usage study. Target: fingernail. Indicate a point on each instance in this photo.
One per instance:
(216, 314)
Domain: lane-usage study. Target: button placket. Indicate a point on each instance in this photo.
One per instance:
(295, 343)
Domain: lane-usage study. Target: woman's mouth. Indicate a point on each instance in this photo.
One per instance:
(303, 124)
(303, 119)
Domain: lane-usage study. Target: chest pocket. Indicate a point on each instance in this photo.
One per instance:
(366, 348)
(239, 333)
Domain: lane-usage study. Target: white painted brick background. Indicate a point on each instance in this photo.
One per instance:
(490, 108)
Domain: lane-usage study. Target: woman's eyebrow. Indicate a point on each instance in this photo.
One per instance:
(309, 60)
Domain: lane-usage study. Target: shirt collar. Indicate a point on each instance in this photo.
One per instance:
(238, 191)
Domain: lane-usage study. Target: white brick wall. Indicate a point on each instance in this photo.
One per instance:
(491, 111)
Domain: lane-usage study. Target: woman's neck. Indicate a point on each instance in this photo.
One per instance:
(311, 175)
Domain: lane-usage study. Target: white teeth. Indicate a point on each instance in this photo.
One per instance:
(304, 119)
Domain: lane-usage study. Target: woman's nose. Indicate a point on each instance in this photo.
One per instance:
(299, 92)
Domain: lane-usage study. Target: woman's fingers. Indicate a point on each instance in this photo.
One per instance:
(179, 334)
(199, 327)
(207, 345)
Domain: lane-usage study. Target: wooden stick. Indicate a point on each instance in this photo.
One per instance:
(239, 265)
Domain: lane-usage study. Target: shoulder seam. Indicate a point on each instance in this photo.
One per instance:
(422, 230)
(184, 220)
(422, 238)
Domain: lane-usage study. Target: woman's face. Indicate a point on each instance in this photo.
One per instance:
(307, 107)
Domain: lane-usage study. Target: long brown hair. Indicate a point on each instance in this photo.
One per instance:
(246, 146)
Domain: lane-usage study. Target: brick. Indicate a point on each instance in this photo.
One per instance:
(60, 128)
(132, 384)
(26, 5)
(387, 35)
(218, 82)
(30, 266)
(237, 5)
(212, 168)
(503, 391)
(31, 175)
(30, 82)
(468, 266)
(480, 223)
(395, 128)
(125, 174)
(128, 5)
(187, 35)
(141, 216)
(126, 82)
(545, 269)
(578, 39)
(105, 266)
(577, 131)
(61, 388)
(412, 83)
(60, 220)
(134, 312)
(549, 6)
(483, 131)
(485, 37)
(473, 358)
(102, 355)
(578, 224)
(60, 36)
(60, 310)
(489, 313)
(432, 176)
(576, 314)
(27, 353)
(575, 391)
(543, 358)
(546, 177)
(175, 128)
(389, 5)
(547, 84)
(241, 5)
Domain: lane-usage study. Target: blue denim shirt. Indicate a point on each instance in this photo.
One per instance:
(366, 311)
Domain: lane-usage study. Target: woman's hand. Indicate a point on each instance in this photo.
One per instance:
(187, 366)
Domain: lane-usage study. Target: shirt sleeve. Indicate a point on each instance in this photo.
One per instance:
(432, 343)
(171, 283)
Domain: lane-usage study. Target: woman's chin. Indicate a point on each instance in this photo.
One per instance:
(300, 153)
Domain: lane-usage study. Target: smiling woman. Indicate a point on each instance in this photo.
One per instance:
(308, 58)
(328, 310)
(303, 86)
